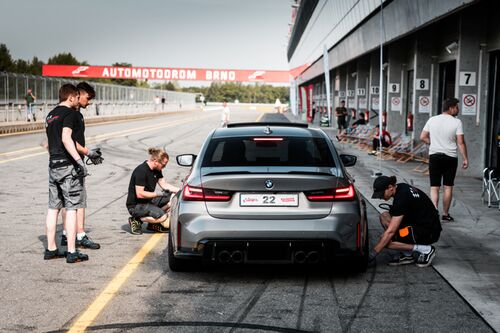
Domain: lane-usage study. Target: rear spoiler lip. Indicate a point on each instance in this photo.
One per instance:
(262, 124)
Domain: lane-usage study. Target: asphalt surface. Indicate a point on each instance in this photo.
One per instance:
(44, 296)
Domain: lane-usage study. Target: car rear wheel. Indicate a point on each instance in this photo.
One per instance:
(360, 262)
(179, 265)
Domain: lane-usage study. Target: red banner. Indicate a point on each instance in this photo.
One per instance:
(153, 73)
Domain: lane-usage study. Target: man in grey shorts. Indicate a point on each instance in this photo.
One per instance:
(143, 203)
(66, 174)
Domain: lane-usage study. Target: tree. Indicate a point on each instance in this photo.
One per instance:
(35, 67)
(6, 62)
(65, 59)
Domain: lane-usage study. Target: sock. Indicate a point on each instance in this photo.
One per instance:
(80, 236)
(422, 248)
(64, 232)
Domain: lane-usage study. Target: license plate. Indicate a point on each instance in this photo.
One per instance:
(271, 200)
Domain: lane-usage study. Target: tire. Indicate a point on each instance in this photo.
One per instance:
(179, 265)
(360, 262)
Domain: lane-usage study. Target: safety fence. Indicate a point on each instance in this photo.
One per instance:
(110, 99)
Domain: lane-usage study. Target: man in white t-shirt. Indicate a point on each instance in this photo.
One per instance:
(225, 115)
(445, 134)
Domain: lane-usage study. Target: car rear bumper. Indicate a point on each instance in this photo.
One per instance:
(268, 240)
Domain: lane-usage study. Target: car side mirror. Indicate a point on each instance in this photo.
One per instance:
(185, 159)
(348, 160)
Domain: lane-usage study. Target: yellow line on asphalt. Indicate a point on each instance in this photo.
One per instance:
(259, 117)
(101, 137)
(86, 319)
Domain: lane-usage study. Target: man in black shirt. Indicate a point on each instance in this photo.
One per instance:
(143, 203)
(87, 93)
(66, 173)
(411, 225)
(341, 113)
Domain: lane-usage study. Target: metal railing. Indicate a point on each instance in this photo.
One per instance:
(110, 99)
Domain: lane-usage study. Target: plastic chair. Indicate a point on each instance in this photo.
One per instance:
(491, 186)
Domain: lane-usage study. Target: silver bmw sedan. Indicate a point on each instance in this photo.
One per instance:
(267, 193)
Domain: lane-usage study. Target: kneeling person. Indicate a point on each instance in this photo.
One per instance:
(143, 203)
(411, 225)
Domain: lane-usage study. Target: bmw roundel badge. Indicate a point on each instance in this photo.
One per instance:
(269, 183)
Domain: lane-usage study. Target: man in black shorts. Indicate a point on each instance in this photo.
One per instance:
(87, 93)
(411, 225)
(445, 135)
(66, 174)
(143, 203)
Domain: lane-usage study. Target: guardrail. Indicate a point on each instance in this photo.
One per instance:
(110, 99)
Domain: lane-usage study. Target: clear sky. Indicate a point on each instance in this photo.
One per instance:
(226, 34)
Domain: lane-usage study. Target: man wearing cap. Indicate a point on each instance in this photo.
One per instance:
(411, 225)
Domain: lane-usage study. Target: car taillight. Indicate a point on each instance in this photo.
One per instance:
(191, 193)
(334, 194)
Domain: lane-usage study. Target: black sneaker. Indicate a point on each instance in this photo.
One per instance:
(135, 226)
(34, 118)
(76, 256)
(157, 227)
(55, 254)
(425, 260)
(64, 240)
(402, 259)
(87, 243)
(447, 218)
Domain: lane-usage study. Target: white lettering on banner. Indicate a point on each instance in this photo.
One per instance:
(191, 75)
(153, 73)
(469, 102)
(136, 73)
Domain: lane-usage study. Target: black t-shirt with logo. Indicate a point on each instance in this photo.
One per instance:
(78, 134)
(416, 207)
(58, 118)
(142, 176)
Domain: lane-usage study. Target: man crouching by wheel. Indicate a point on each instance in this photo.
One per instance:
(143, 203)
(411, 225)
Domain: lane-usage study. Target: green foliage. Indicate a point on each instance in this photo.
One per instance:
(6, 62)
(64, 59)
(245, 93)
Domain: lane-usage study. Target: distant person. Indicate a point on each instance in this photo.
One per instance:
(386, 139)
(361, 120)
(66, 174)
(313, 111)
(444, 133)
(277, 105)
(30, 109)
(156, 102)
(411, 225)
(226, 113)
(163, 100)
(341, 114)
(143, 203)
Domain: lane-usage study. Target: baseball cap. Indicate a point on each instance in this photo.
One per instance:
(380, 184)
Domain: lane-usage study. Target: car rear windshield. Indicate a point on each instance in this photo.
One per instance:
(255, 151)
